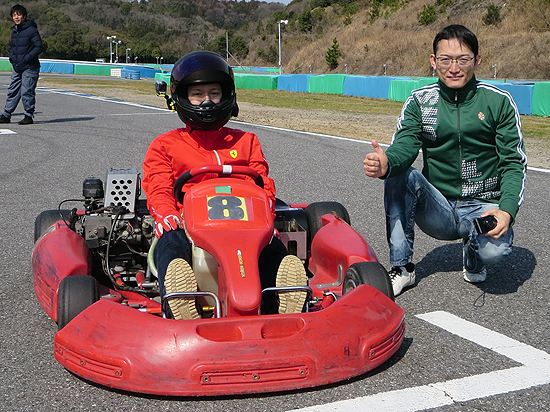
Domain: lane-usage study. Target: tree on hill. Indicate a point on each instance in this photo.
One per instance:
(78, 29)
(333, 54)
(398, 32)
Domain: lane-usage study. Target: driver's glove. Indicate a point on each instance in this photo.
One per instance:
(170, 222)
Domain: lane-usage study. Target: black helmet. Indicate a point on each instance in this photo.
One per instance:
(203, 67)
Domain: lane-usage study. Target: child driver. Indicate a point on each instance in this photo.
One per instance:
(203, 90)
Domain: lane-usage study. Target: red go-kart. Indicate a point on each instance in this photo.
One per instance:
(94, 275)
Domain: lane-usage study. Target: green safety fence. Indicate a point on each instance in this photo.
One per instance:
(541, 99)
(5, 65)
(256, 81)
(256, 69)
(400, 89)
(163, 76)
(327, 83)
(94, 69)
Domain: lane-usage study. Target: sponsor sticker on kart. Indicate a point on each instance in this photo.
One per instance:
(224, 207)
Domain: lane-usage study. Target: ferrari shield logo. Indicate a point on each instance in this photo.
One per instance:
(233, 154)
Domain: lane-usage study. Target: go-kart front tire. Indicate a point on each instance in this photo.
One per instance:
(47, 218)
(75, 294)
(368, 273)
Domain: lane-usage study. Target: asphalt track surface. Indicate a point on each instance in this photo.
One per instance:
(466, 347)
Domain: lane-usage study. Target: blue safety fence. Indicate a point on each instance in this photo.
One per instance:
(376, 87)
(79, 67)
(522, 93)
(130, 74)
(530, 97)
(143, 71)
(47, 66)
(527, 95)
(293, 82)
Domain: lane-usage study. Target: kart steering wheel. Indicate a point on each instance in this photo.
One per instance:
(221, 170)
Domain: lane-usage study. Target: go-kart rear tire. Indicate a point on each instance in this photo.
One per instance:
(368, 273)
(316, 210)
(47, 218)
(75, 294)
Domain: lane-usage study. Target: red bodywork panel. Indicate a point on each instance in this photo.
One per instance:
(122, 342)
(335, 247)
(63, 254)
(231, 220)
(122, 348)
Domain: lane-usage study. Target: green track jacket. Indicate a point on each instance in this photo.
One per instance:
(470, 139)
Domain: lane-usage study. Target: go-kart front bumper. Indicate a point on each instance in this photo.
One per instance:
(123, 348)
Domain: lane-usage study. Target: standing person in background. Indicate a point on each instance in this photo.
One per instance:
(474, 164)
(25, 46)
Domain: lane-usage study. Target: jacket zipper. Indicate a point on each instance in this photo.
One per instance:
(217, 157)
(459, 138)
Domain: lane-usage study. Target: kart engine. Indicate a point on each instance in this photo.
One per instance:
(117, 226)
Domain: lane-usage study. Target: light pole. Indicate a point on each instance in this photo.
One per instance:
(127, 50)
(279, 24)
(116, 49)
(111, 38)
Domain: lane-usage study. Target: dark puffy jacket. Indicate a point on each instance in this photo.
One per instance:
(25, 46)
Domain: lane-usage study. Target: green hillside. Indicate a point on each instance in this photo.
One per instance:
(366, 37)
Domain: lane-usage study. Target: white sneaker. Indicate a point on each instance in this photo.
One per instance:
(475, 277)
(180, 278)
(291, 273)
(401, 277)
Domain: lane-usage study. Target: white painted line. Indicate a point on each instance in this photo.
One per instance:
(535, 372)
(493, 383)
(535, 169)
(330, 136)
(104, 99)
(404, 400)
(538, 169)
(7, 131)
(112, 100)
(511, 348)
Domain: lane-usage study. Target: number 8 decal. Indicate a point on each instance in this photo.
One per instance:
(227, 207)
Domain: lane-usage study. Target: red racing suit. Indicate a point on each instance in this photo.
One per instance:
(173, 153)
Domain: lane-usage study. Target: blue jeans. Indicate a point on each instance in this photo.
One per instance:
(22, 87)
(411, 199)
